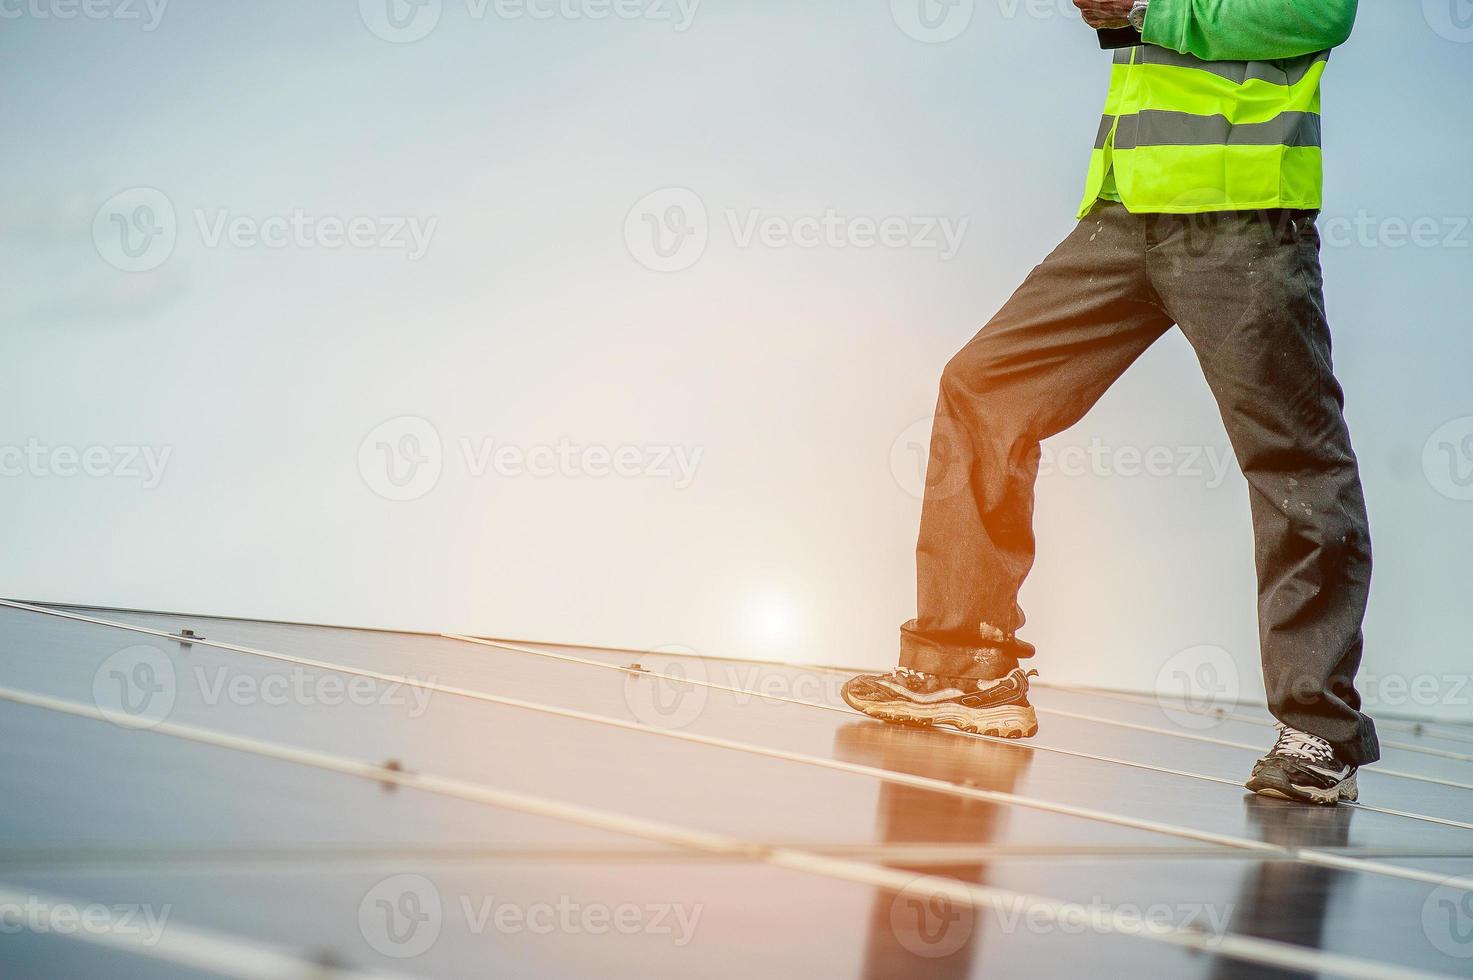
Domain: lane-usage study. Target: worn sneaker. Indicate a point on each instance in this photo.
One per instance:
(1304, 768)
(911, 697)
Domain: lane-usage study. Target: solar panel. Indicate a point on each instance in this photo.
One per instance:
(266, 799)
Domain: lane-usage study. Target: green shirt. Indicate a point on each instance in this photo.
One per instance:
(1248, 30)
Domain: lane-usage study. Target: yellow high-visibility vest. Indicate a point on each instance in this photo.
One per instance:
(1184, 136)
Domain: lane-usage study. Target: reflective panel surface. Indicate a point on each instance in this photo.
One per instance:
(243, 792)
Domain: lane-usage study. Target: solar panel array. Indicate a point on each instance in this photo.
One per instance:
(271, 800)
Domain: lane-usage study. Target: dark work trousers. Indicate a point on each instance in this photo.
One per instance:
(1245, 288)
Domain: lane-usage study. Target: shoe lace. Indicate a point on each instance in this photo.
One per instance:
(921, 676)
(1303, 745)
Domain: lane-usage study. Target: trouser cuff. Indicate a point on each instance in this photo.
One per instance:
(1350, 733)
(948, 659)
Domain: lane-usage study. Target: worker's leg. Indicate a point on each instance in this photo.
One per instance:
(1247, 292)
(1070, 330)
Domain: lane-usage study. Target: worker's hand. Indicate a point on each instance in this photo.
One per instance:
(1105, 13)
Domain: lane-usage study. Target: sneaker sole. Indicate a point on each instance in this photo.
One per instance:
(1004, 721)
(1347, 791)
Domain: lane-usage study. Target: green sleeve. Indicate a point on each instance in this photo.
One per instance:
(1248, 30)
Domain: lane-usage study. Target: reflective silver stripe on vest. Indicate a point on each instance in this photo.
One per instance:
(1286, 71)
(1105, 123)
(1159, 127)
